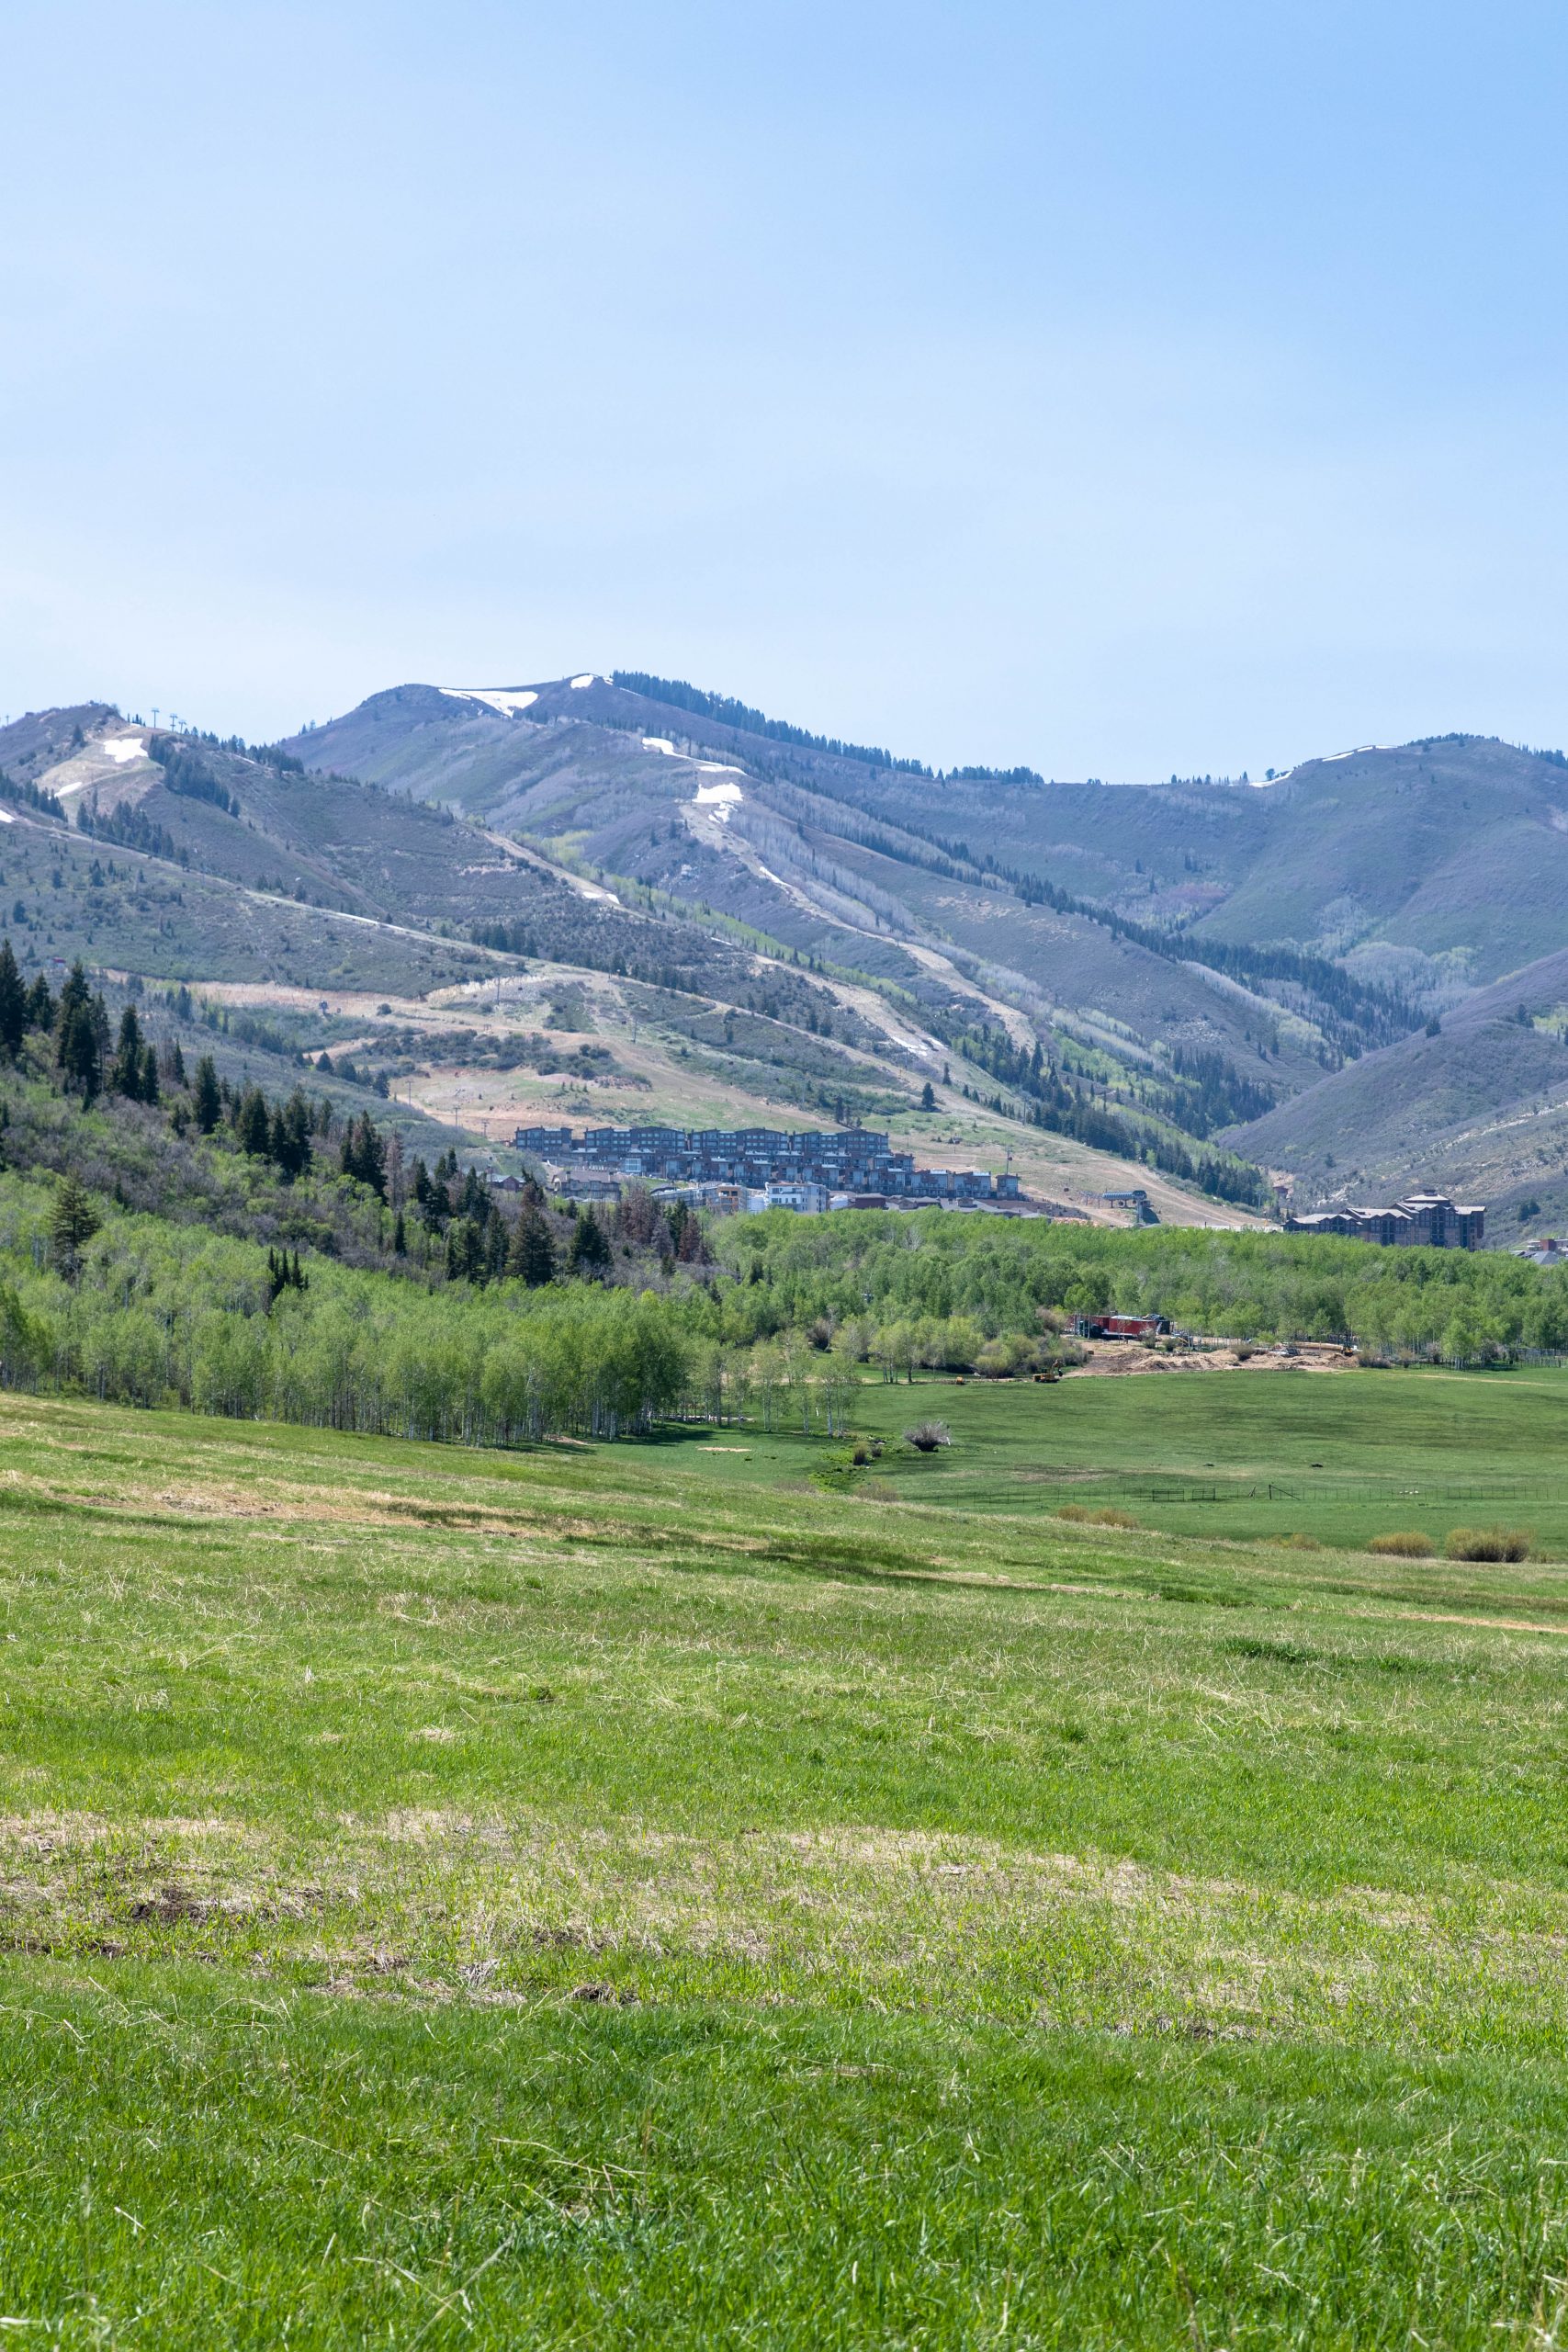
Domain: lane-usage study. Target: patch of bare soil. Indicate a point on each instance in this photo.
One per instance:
(1115, 1359)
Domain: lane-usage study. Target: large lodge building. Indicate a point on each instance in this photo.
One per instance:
(853, 1160)
(1425, 1221)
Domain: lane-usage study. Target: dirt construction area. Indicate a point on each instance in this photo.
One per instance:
(1115, 1359)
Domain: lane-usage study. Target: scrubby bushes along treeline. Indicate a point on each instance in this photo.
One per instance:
(886, 1269)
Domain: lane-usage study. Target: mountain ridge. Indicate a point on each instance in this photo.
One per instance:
(1173, 969)
(1288, 929)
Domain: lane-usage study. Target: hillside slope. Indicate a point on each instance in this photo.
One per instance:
(846, 856)
(240, 873)
(1444, 859)
(1480, 1109)
(1283, 938)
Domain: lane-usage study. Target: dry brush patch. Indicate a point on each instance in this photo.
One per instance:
(500, 1906)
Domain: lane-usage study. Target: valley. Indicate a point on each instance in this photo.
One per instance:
(550, 1728)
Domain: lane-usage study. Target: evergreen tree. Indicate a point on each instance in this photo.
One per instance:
(531, 1258)
(281, 1275)
(466, 1251)
(289, 1142)
(176, 1065)
(691, 1248)
(928, 1099)
(12, 1004)
(252, 1128)
(78, 1049)
(207, 1103)
(73, 1224)
(496, 1240)
(149, 1075)
(590, 1251)
(400, 1236)
(125, 1073)
(364, 1155)
(430, 1198)
(40, 1005)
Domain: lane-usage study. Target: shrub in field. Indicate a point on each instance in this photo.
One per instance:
(1016, 1356)
(1489, 1543)
(1404, 1544)
(1104, 1516)
(1301, 1542)
(926, 1436)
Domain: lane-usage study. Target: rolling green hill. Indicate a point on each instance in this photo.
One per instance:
(646, 1867)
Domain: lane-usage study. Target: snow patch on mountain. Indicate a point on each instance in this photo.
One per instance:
(720, 798)
(120, 748)
(1324, 760)
(498, 698)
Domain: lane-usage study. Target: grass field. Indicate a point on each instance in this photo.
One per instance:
(630, 1896)
(1348, 1455)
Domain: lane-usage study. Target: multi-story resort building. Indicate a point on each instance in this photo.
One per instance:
(1424, 1221)
(811, 1169)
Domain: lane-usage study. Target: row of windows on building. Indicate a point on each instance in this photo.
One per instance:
(854, 1160)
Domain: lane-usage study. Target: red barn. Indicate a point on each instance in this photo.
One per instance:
(1121, 1327)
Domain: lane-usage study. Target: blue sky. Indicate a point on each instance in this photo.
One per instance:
(1125, 389)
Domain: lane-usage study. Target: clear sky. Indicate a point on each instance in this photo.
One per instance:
(1121, 388)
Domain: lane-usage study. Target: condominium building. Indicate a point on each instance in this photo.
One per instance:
(1423, 1221)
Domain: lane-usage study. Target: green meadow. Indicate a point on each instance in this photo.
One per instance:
(1341, 1456)
(681, 1891)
